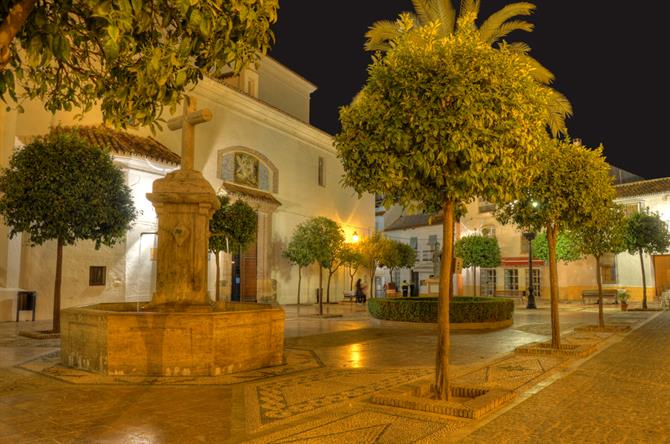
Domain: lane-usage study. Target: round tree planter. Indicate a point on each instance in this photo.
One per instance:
(465, 313)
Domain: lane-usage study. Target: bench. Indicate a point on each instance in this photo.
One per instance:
(393, 293)
(591, 296)
(350, 295)
(511, 294)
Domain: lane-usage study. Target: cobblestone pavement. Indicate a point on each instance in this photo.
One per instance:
(621, 395)
(322, 395)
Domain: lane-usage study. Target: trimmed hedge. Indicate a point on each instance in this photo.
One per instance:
(424, 309)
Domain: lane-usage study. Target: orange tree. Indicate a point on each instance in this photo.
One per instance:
(603, 234)
(646, 233)
(232, 228)
(572, 186)
(61, 188)
(131, 57)
(440, 120)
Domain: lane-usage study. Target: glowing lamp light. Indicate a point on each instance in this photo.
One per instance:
(354, 237)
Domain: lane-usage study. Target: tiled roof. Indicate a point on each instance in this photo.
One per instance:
(414, 221)
(120, 142)
(653, 186)
(252, 193)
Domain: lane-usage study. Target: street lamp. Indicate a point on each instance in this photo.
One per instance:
(354, 237)
(529, 236)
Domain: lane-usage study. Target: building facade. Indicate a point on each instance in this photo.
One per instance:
(259, 146)
(622, 270)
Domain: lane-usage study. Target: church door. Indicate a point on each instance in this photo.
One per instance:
(248, 273)
(245, 265)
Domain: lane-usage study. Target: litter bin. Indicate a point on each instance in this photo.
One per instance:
(405, 290)
(26, 301)
(319, 293)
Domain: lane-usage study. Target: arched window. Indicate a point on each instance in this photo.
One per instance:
(489, 231)
(248, 168)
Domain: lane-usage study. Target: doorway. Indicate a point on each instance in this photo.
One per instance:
(245, 266)
(662, 273)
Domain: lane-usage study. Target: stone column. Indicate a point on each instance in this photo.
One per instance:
(184, 203)
(264, 245)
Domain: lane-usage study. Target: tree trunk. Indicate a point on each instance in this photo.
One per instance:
(57, 286)
(218, 276)
(599, 280)
(372, 271)
(474, 270)
(351, 283)
(11, 26)
(320, 290)
(644, 282)
(299, 282)
(442, 389)
(330, 275)
(552, 236)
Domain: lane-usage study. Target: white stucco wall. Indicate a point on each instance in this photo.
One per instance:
(294, 149)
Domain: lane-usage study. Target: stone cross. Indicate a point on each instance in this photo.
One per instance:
(187, 123)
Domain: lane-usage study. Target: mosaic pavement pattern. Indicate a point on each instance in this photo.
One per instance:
(286, 398)
(366, 424)
(49, 365)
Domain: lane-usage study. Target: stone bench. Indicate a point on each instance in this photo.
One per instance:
(349, 295)
(511, 294)
(591, 296)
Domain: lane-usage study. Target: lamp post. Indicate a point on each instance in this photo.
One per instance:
(529, 236)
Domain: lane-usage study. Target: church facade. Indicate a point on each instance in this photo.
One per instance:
(259, 147)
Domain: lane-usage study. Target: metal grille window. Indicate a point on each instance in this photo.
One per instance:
(536, 282)
(608, 269)
(511, 279)
(486, 207)
(487, 281)
(631, 208)
(97, 276)
(489, 231)
(322, 173)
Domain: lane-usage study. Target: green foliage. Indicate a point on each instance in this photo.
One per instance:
(322, 239)
(493, 30)
(573, 184)
(567, 247)
(461, 310)
(351, 256)
(443, 119)
(605, 233)
(298, 249)
(478, 251)
(396, 254)
(60, 187)
(647, 233)
(232, 226)
(372, 251)
(133, 57)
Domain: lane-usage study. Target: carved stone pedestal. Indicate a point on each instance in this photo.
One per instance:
(184, 202)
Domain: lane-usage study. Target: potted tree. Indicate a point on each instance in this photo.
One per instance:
(623, 296)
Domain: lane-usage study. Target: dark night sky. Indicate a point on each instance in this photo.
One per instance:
(611, 59)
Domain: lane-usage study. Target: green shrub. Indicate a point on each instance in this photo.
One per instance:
(424, 309)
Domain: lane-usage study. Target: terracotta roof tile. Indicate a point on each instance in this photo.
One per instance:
(653, 186)
(413, 221)
(255, 194)
(120, 142)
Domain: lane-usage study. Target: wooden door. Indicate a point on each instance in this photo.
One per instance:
(662, 273)
(248, 274)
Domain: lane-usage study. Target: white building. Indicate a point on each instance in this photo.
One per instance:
(618, 271)
(259, 146)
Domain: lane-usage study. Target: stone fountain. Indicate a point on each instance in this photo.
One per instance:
(181, 332)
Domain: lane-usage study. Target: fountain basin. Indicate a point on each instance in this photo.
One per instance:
(117, 339)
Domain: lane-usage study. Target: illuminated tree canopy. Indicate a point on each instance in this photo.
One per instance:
(132, 57)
